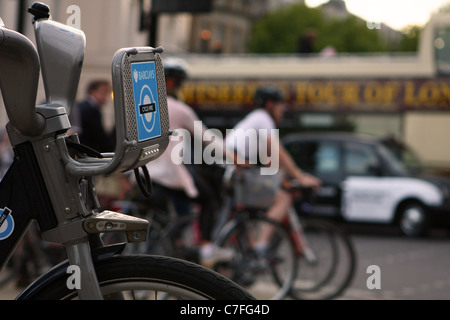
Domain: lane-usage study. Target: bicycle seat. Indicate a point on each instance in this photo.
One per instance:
(19, 62)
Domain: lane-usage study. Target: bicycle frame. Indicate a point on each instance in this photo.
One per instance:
(18, 194)
(301, 244)
(38, 186)
(292, 222)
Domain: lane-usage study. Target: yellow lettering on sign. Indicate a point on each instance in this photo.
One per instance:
(409, 97)
(391, 91)
(330, 93)
(316, 92)
(238, 93)
(223, 94)
(200, 92)
(373, 92)
(429, 93)
(445, 91)
(212, 93)
(350, 93)
(300, 92)
(325, 94)
(188, 93)
(382, 94)
(250, 93)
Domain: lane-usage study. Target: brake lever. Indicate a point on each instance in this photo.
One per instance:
(144, 182)
(83, 149)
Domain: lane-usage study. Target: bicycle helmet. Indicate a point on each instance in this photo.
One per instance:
(267, 93)
(176, 70)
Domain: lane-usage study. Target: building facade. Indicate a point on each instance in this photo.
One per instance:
(113, 24)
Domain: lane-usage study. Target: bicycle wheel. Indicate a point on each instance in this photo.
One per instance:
(329, 270)
(151, 277)
(266, 275)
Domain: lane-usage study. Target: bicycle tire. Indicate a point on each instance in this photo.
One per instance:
(334, 269)
(315, 271)
(271, 279)
(130, 276)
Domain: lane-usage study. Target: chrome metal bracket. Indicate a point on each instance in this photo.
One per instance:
(109, 221)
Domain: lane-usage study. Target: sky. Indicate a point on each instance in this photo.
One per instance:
(395, 13)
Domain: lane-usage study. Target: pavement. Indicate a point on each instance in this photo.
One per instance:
(10, 292)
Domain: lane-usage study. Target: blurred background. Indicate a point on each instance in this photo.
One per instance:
(380, 67)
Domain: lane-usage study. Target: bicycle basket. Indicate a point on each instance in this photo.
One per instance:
(254, 190)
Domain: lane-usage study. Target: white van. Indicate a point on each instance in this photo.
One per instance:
(364, 181)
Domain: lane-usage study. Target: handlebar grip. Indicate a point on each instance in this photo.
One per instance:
(19, 78)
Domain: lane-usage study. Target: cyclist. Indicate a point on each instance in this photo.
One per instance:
(178, 181)
(269, 101)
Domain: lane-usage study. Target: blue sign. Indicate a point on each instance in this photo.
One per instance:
(146, 100)
(6, 223)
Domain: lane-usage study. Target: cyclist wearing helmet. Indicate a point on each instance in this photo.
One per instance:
(269, 101)
(175, 74)
(183, 183)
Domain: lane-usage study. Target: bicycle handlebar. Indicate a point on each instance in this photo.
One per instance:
(140, 104)
(19, 62)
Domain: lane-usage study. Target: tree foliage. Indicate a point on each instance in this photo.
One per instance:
(281, 30)
(410, 38)
(350, 35)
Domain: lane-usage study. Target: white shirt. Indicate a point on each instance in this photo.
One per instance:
(251, 126)
(163, 170)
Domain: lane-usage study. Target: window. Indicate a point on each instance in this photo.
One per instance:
(442, 50)
(317, 157)
(237, 40)
(360, 159)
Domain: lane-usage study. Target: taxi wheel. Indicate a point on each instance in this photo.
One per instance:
(413, 219)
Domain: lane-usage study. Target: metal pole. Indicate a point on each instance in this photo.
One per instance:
(21, 8)
(153, 30)
(79, 254)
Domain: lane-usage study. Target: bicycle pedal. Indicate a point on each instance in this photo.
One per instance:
(110, 221)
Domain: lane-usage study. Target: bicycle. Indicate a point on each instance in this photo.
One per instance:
(324, 256)
(304, 259)
(173, 234)
(327, 255)
(170, 233)
(51, 177)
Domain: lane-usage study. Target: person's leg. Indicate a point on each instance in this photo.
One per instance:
(210, 254)
(277, 212)
(209, 205)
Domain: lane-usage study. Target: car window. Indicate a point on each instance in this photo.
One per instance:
(317, 157)
(360, 159)
(397, 166)
(406, 160)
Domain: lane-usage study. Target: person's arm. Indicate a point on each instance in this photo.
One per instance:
(288, 164)
(208, 137)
